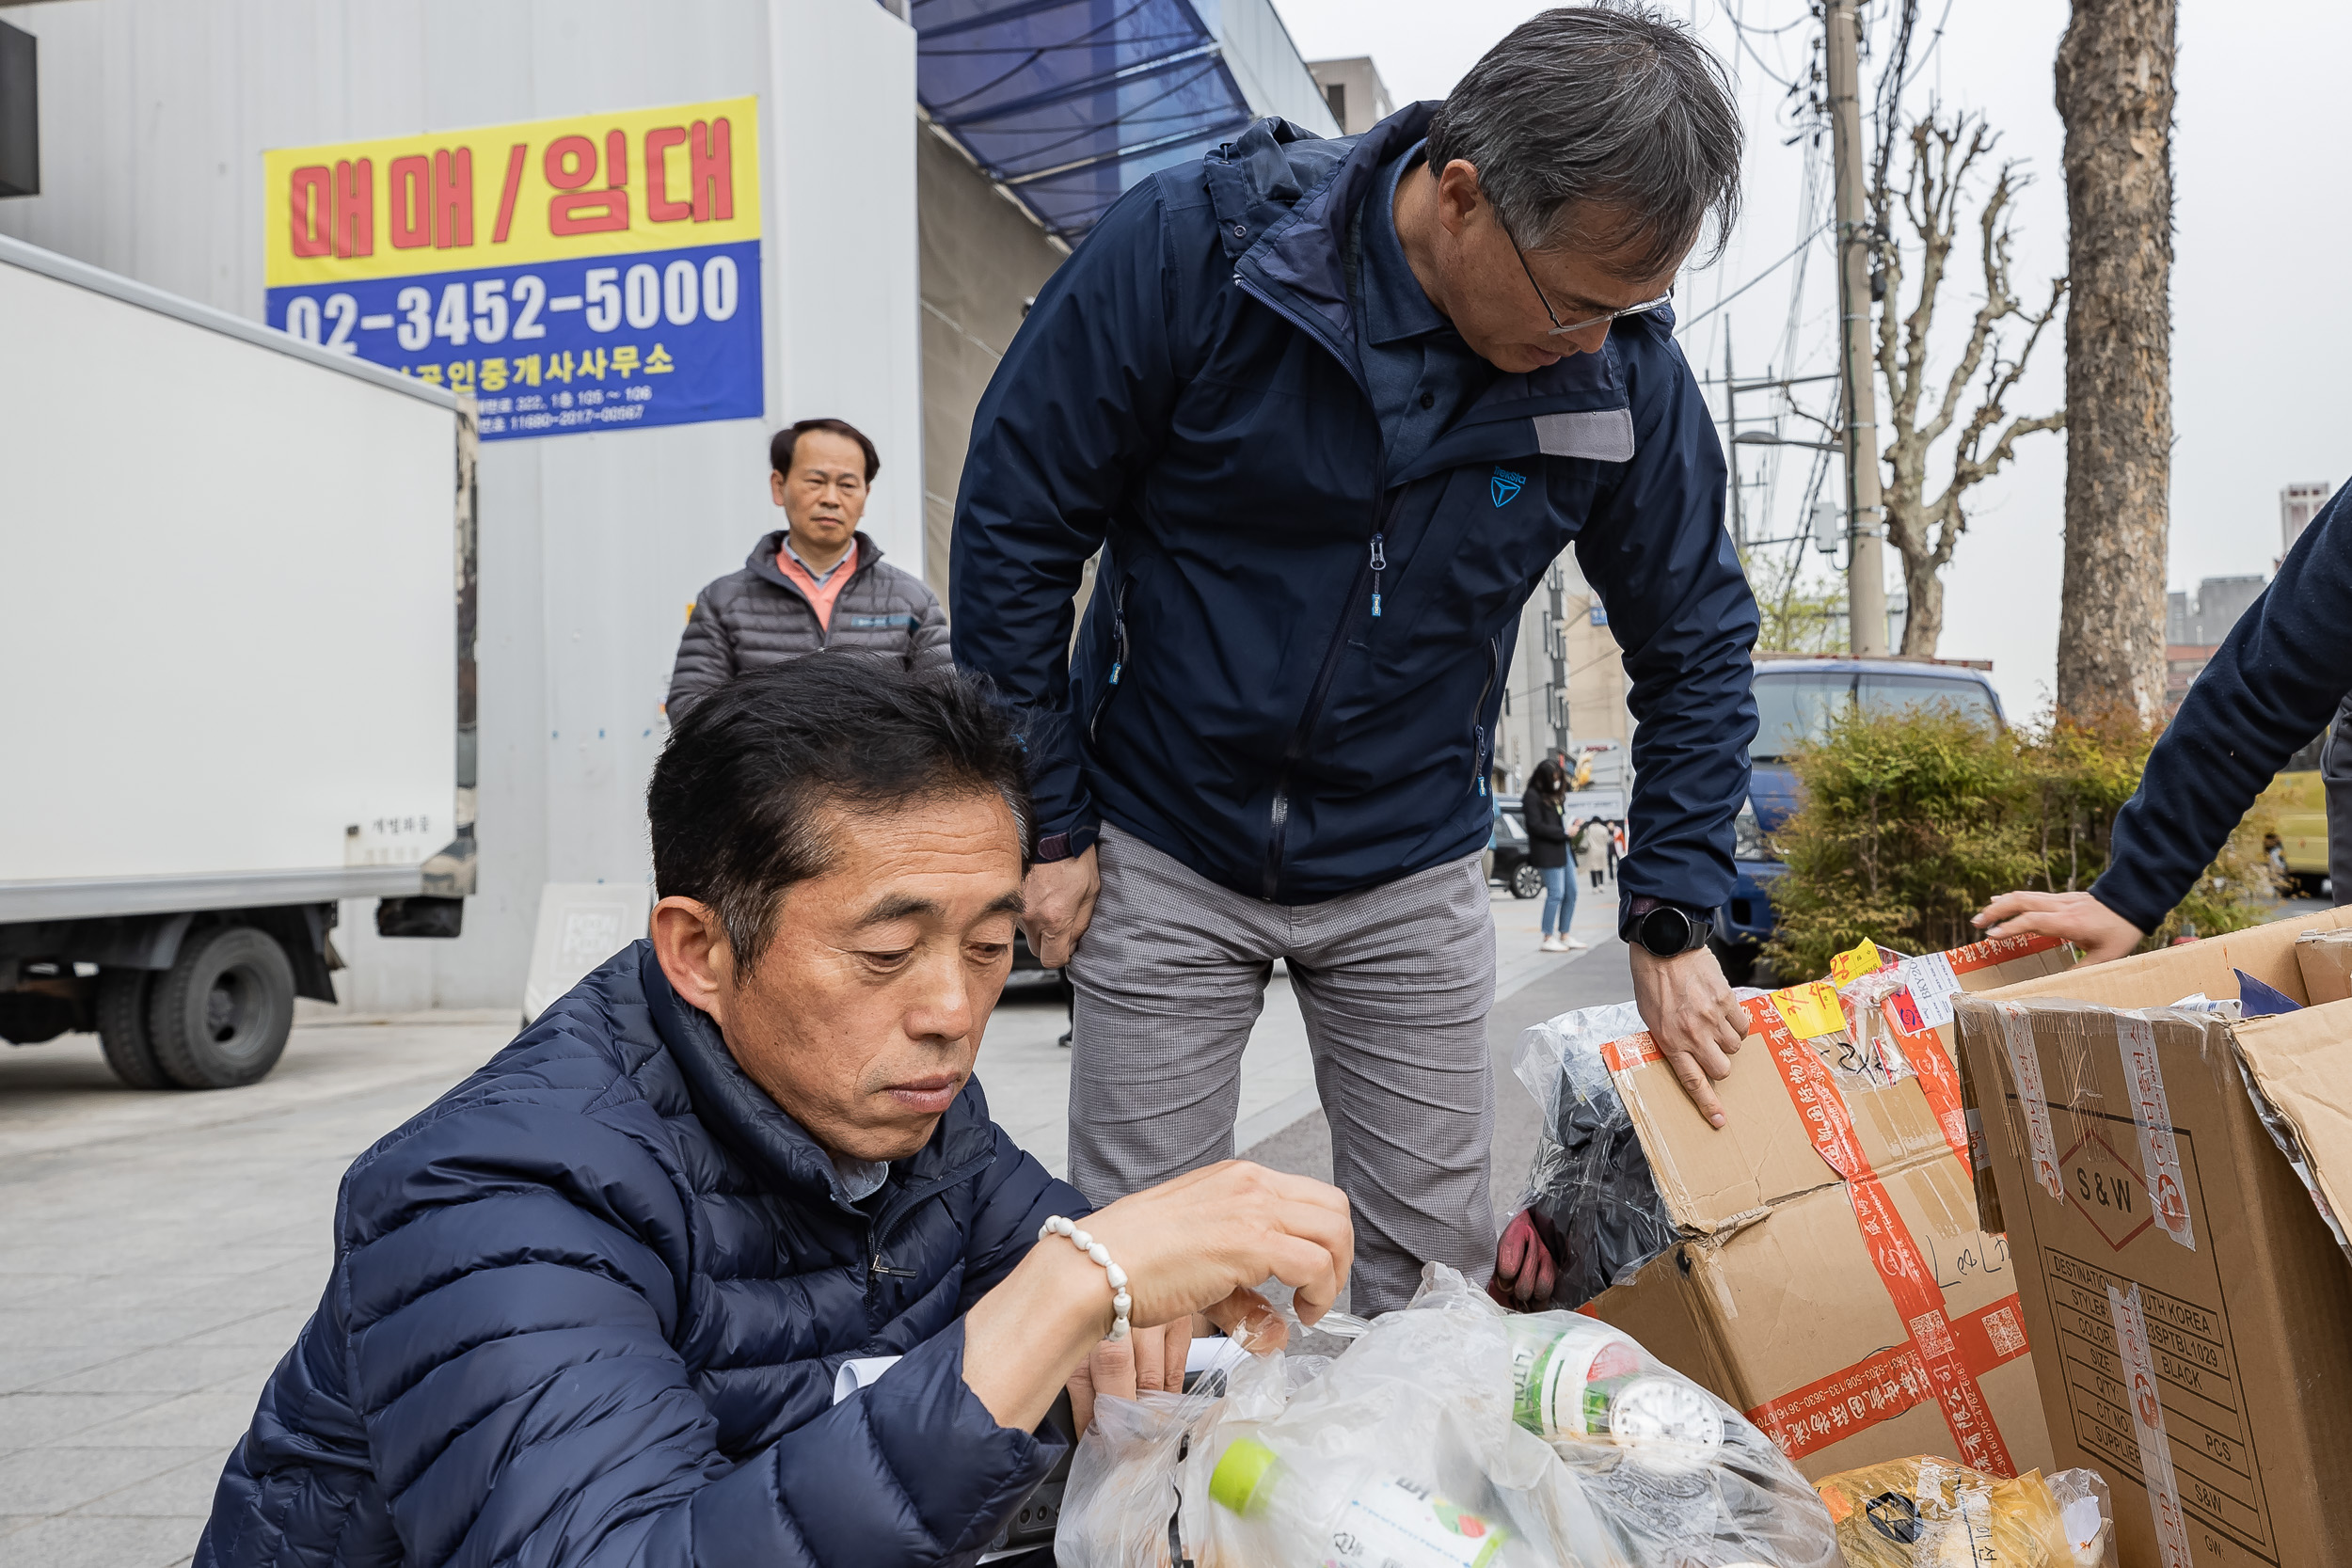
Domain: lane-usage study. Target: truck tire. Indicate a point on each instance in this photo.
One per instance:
(123, 995)
(221, 1014)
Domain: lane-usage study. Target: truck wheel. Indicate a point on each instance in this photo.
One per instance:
(220, 1015)
(122, 1034)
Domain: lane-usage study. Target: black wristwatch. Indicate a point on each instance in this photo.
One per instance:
(1668, 931)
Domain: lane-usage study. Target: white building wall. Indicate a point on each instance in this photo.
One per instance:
(155, 115)
(1596, 684)
(1266, 65)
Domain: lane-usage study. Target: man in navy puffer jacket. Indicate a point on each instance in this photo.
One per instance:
(588, 1308)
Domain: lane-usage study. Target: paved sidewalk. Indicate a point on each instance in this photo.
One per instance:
(158, 1251)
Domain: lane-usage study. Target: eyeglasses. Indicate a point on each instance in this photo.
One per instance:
(1559, 330)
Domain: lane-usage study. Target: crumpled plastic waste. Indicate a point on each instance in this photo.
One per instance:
(1590, 1193)
(1931, 1512)
(1449, 1434)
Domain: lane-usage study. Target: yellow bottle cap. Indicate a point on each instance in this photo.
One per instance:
(1235, 1481)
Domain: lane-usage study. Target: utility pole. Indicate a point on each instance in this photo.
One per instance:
(1556, 645)
(1866, 517)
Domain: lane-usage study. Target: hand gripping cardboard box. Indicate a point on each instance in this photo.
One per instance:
(2169, 1180)
(1832, 1280)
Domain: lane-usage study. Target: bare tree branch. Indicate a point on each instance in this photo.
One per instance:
(1946, 155)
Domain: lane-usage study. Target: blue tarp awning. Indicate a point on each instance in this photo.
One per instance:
(1069, 103)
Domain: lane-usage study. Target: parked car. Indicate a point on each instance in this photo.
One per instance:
(1507, 854)
(2296, 801)
(1796, 697)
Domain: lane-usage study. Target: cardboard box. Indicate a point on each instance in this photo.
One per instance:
(2325, 959)
(1832, 1281)
(2190, 1298)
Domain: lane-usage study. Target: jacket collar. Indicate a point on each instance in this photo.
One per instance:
(761, 562)
(759, 1132)
(1284, 205)
(1283, 200)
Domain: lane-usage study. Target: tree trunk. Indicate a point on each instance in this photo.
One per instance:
(1923, 590)
(2115, 94)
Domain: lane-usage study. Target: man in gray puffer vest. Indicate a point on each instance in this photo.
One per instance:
(816, 583)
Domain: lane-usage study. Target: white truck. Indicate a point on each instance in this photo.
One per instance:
(236, 623)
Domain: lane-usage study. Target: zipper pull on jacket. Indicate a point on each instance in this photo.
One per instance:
(1379, 564)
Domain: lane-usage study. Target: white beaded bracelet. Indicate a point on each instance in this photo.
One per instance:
(1057, 1226)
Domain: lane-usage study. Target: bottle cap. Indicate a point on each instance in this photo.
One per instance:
(1235, 1480)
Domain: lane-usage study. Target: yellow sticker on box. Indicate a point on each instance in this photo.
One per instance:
(1846, 968)
(1810, 1011)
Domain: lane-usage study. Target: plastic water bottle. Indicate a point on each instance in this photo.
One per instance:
(1579, 1380)
(1350, 1515)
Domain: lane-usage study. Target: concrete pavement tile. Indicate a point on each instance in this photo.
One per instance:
(28, 1421)
(172, 1370)
(31, 1250)
(57, 1326)
(21, 1366)
(202, 1419)
(26, 1288)
(209, 1302)
(185, 1493)
(276, 1329)
(13, 1522)
(52, 1480)
(127, 1542)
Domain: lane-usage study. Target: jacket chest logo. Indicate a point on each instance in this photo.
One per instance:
(1506, 485)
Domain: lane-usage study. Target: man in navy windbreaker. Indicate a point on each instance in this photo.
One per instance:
(1329, 410)
(591, 1306)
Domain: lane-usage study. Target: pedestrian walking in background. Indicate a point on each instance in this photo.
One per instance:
(1329, 410)
(1548, 853)
(1590, 845)
(815, 583)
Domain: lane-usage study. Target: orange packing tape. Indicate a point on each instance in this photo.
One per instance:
(1902, 1269)
(1998, 950)
(1631, 1052)
(1806, 1420)
(1924, 1050)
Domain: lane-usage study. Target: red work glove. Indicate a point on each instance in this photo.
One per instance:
(1524, 1272)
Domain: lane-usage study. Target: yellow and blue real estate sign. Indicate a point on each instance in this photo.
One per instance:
(588, 273)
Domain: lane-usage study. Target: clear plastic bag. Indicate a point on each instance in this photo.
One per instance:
(1590, 1193)
(1448, 1435)
(1120, 1496)
(1931, 1512)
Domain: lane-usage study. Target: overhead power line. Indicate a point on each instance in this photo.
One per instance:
(1754, 281)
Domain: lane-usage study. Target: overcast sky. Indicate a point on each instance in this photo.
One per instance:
(2260, 336)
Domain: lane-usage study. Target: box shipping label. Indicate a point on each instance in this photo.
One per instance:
(587, 273)
(2176, 1352)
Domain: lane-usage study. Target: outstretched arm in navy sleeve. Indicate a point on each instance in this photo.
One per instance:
(2268, 692)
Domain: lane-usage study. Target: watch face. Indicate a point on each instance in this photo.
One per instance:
(1666, 931)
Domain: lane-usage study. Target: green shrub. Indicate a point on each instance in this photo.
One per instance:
(1913, 820)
